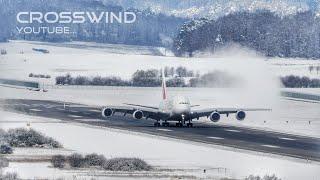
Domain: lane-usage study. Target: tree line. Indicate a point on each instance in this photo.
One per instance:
(152, 78)
(300, 82)
(175, 77)
(296, 35)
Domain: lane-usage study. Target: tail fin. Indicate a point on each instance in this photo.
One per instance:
(164, 86)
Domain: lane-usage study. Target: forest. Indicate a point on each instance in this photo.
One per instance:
(152, 29)
(296, 35)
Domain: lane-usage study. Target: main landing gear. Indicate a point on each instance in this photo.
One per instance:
(179, 124)
(166, 124)
(189, 125)
(157, 124)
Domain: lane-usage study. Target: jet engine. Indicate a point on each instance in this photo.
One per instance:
(240, 115)
(107, 112)
(138, 114)
(214, 116)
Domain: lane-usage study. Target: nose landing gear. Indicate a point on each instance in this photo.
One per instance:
(189, 124)
(165, 124)
(156, 124)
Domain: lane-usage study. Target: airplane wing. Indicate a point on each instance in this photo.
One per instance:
(148, 112)
(207, 112)
(138, 105)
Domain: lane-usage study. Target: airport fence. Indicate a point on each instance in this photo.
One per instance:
(86, 87)
(299, 95)
(19, 83)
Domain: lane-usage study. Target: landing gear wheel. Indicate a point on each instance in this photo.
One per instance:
(165, 124)
(179, 124)
(156, 124)
(189, 125)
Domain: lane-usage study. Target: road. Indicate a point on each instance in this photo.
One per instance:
(237, 137)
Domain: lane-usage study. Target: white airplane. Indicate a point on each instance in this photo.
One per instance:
(177, 109)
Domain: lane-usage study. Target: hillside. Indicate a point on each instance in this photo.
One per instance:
(217, 8)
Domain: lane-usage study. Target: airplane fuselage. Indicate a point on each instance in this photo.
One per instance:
(178, 108)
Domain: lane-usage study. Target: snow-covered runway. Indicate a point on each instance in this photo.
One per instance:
(159, 151)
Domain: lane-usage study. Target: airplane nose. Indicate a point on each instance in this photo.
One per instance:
(182, 110)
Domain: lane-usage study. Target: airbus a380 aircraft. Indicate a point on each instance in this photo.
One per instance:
(177, 109)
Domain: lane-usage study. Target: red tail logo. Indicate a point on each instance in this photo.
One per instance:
(164, 86)
(164, 91)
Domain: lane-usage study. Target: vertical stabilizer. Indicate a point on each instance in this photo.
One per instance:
(164, 86)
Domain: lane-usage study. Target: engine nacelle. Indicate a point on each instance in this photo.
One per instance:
(107, 112)
(240, 115)
(138, 114)
(214, 116)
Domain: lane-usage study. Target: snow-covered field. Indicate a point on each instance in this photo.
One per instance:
(78, 58)
(260, 89)
(159, 152)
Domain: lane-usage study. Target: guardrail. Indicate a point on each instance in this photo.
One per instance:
(19, 83)
(299, 95)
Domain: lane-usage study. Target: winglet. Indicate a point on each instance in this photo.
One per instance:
(164, 86)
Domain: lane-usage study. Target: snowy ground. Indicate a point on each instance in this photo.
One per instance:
(260, 87)
(219, 161)
(78, 58)
(286, 116)
(183, 157)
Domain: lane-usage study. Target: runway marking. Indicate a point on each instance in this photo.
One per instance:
(167, 130)
(232, 130)
(94, 110)
(74, 111)
(60, 109)
(213, 137)
(89, 120)
(289, 139)
(74, 116)
(270, 146)
(36, 110)
(38, 105)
